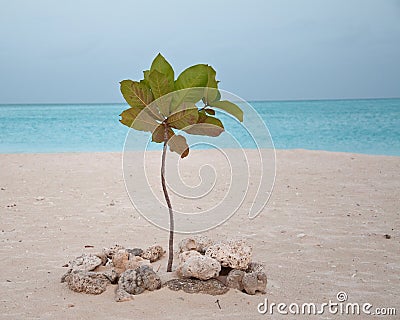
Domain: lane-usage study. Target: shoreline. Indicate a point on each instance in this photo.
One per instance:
(121, 152)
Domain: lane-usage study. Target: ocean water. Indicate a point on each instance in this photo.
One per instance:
(360, 126)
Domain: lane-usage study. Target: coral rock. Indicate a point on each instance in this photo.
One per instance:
(120, 259)
(111, 275)
(103, 257)
(135, 251)
(234, 254)
(254, 281)
(87, 282)
(197, 243)
(129, 283)
(124, 260)
(255, 266)
(110, 252)
(249, 282)
(151, 281)
(211, 286)
(153, 253)
(121, 295)
(187, 255)
(135, 262)
(86, 262)
(139, 280)
(198, 266)
(108, 271)
(234, 279)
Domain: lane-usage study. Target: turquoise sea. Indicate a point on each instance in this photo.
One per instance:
(362, 126)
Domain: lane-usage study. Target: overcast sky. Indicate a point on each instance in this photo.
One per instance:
(78, 51)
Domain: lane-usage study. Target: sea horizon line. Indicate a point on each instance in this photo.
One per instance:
(250, 101)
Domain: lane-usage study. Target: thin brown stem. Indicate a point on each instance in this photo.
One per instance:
(166, 196)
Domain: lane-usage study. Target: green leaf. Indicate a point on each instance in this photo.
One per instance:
(181, 97)
(206, 126)
(161, 65)
(212, 81)
(178, 144)
(158, 133)
(158, 98)
(138, 119)
(229, 107)
(159, 84)
(136, 94)
(211, 92)
(146, 77)
(183, 118)
(161, 87)
(194, 76)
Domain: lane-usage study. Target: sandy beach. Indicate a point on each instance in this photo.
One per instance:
(332, 224)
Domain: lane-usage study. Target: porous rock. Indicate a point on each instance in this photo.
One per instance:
(234, 279)
(122, 296)
(254, 281)
(197, 243)
(87, 281)
(247, 281)
(138, 280)
(120, 260)
(234, 254)
(188, 254)
(255, 266)
(128, 282)
(135, 262)
(109, 272)
(86, 262)
(151, 281)
(211, 286)
(123, 260)
(135, 251)
(109, 252)
(111, 275)
(103, 257)
(153, 253)
(195, 265)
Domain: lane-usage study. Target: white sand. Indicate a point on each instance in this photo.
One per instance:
(322, 232)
